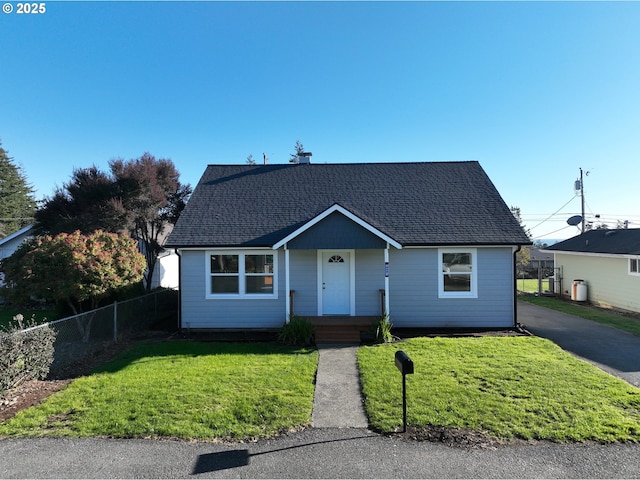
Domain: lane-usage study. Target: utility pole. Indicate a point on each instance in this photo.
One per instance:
(582, 198)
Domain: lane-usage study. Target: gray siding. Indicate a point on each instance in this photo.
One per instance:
(414, 298)
(200, 312)
(369, 271)
(413, 285)
(336, 232)
(369, 281)
(304, 280)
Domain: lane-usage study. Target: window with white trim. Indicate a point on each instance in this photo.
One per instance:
(242, 274)
(634, 266)
(457, 273)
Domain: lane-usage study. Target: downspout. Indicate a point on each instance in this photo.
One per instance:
(516, 325)
(179, 289)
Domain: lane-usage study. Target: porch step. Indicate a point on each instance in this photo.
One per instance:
(335, 334)
(340, 328)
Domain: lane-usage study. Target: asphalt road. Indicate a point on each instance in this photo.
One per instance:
(313, 453)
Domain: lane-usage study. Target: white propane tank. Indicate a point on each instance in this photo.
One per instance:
(579, 291)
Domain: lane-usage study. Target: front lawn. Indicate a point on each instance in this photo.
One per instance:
(623, 322)
(184, 390)
(509, 387)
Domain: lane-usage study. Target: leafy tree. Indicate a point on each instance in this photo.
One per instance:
(523, 257)
(17, 202)
(142, 196)
(299, 151)
(87, 202)
(150, 197)
(73, 268)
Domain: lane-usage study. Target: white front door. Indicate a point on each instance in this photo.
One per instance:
(336, 283)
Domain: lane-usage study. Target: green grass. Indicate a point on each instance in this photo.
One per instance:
(617, 320)
(530, 285)
(509, 387)
(183, 390)
(40, 316)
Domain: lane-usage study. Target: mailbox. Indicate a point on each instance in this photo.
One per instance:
(404, 363)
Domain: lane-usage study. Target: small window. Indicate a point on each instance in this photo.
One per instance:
(634, 266)
(336, 259)
(241, 275)
(457, 273)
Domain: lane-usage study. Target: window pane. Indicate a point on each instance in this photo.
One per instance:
(634, 265)
(260, 284)
(457, 283)
(456, 268)
(224, 263)
(224, 284)
(258, 263)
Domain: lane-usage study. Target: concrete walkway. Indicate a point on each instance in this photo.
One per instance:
(338, 400)
(614, 351)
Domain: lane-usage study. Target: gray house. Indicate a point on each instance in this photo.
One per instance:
(607, 261)
(431, 244)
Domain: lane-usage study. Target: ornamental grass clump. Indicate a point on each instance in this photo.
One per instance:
(297, 331)
(26, 353)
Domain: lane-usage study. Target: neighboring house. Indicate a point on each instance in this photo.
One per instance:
(608, 261)
(431, 244)
(165, 273)
(166, 269)
(539, 261)
(10, 244)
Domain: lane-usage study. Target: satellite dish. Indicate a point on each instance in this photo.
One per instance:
(575, 220)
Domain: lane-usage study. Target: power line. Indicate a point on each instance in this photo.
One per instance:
(555, 213)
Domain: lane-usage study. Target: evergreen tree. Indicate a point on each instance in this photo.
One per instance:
(17, 202)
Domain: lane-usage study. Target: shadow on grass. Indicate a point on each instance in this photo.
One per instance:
(149, 351)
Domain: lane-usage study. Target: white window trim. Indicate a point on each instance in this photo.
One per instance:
(474, 273)
(242, 295)
(635, 274)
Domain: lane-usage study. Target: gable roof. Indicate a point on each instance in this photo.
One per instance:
(434, 203)
(613, 242)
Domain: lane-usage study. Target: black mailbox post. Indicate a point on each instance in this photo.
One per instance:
(405, 365)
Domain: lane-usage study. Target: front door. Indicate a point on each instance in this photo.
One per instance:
(336, 283)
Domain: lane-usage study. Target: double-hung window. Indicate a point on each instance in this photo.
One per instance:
(250, 274)
(457, 277)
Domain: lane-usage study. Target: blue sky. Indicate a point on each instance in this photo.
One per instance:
(534, 91)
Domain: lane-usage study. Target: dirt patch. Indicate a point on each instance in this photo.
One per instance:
(34, 392)
(27, 395)
(452, 437)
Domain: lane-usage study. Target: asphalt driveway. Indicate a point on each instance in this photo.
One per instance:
(610, 349)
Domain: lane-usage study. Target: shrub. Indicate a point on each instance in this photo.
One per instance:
(26, 355)
(298, 331)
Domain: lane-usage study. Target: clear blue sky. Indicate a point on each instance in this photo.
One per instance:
(533, 91)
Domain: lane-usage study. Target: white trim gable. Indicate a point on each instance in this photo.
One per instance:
(346, 213)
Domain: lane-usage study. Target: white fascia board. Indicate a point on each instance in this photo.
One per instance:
(346, 213)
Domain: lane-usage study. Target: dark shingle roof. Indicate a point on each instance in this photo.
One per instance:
(616, 242)
(436, 203)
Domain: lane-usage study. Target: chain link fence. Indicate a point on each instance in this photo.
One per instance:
(79, 336)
